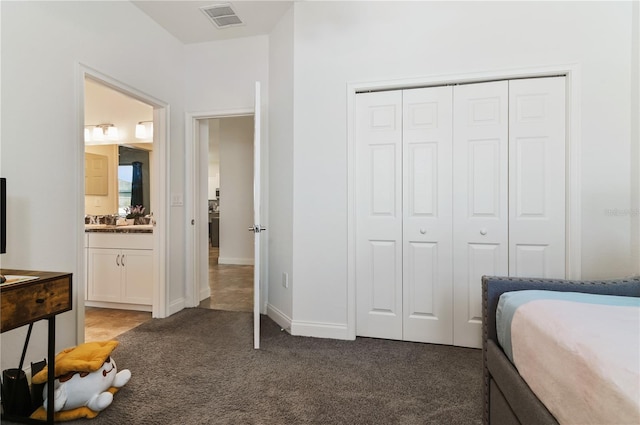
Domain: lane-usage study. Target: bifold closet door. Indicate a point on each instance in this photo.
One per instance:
(453, 183)
(427, 215)
(509, 189)
(480, 200)
(379, 214)
(403, 203)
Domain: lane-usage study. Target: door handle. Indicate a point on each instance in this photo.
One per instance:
(118, 260)
(257, 228)
(122, 261)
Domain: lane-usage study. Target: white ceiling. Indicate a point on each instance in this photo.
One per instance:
(185, 20)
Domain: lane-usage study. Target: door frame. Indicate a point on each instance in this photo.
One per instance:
(571, 72)
(160, 178)
(195, 256)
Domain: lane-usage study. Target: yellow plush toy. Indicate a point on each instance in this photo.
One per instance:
(86, 379)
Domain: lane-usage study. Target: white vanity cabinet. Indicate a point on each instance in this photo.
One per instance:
(120, 270)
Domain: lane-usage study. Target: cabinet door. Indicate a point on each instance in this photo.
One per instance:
(104, 272)
(137, 276)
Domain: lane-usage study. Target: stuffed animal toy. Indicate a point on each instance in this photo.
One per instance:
(86, 379)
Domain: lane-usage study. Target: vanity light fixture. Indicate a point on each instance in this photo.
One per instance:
(144, 130)
(112, 132)
(101, 132)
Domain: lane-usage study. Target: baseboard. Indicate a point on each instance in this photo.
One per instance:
(320, 330)
(236, 261)
(205, 293)
(119, 306)
(279, 317)
(176, 306)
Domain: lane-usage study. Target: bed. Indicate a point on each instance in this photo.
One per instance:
(508, 399)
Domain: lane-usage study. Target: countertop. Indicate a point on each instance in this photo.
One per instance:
(104, 228)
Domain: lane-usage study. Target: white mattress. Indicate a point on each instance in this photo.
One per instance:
(581, 359)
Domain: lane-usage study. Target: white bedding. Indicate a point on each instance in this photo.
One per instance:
(581, 360)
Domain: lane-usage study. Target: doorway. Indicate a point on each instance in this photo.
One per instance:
(228, 142)
(151, 299)
(197, 208)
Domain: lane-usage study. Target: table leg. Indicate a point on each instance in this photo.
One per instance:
(51, 372)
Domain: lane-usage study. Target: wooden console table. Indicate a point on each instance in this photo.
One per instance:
(23, 303)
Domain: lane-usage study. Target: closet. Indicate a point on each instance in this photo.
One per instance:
(453, 183)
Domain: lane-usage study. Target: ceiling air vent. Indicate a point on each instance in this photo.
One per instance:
(222, 15)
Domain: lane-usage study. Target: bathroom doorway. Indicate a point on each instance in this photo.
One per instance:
(112, 116)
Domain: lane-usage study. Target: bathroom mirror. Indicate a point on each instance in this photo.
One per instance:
(133, 178)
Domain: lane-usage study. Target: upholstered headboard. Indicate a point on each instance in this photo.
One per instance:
(493, 287)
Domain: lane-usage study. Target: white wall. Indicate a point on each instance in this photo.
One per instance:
(336, 43)
(281, 170)
(220, 75)
(42, 43)
(236, 190)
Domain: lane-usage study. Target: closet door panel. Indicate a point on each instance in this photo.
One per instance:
(379, 215)
(482, 259)
(537, 177)
(427, 221)
(383, 271)
(480, 203)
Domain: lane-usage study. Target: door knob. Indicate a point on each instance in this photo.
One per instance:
(423, 231)
(256, 228)
(483, 232)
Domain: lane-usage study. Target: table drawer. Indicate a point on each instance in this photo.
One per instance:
(28, 303)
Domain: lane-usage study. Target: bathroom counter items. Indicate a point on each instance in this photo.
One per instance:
(109, 228)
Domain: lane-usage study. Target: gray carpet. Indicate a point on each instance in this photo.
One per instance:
(199, 367)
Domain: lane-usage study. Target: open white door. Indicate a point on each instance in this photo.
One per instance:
(256, 228)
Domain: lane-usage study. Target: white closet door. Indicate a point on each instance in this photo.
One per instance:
(537, 177)
(480, 185)
(379, 214)
(427, 219)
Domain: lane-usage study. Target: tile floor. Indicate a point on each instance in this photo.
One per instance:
(231, 289)
(103, 324)
(231, 286)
